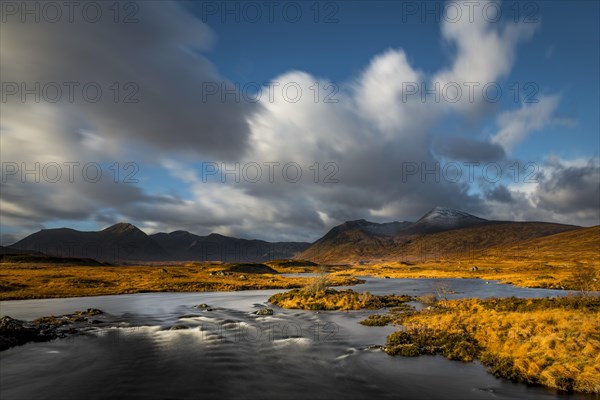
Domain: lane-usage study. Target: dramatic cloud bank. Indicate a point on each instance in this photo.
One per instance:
(365, 155)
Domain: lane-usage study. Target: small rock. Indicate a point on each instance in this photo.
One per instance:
(243, 278)
(90, 312)
(10, 324)
(386, 277)
(14, 332)
(203, 305)
(264, 311)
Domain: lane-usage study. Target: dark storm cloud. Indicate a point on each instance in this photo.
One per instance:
(43, 201)
(7, 239)
(569, 189)
(463, 149)
(499, 193)
(563, 192)
(159, 57)
(369, 177)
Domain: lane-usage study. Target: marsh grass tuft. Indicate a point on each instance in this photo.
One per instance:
(376, 320)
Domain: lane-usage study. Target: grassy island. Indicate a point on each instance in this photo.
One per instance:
(332, 299)
(553, 342)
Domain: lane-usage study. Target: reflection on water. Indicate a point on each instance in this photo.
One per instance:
(231, 353)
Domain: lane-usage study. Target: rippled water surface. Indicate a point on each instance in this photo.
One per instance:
(231, 353)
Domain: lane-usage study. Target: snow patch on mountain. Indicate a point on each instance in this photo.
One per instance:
(444, 217)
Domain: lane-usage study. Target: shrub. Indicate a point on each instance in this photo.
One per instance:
(453, 345)
(404, 350)
(428, 299)
(319, 283)
(376, 320)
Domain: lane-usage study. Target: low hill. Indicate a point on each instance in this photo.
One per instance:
(250, 268)
(11, 251)
(292, 263)
(43, 259)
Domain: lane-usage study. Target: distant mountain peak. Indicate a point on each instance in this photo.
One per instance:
(217, 235)
(447, 218)
(180, 233)
(122, 227)
(447, 212)
(357, 222)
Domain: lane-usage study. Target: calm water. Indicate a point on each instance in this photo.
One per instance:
(230, 353)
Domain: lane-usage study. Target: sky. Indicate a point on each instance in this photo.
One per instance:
(279, 120)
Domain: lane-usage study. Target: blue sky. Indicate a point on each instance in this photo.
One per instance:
(369, 51)
(562, 57)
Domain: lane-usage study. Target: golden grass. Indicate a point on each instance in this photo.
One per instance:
(552, 342)
(525, 273)
(39, 280)
(34, 281)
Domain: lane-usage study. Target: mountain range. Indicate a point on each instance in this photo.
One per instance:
(126, 242)
(441, 233)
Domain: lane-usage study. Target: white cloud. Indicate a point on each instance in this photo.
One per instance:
(383, 94)
(485, 54)
(514, 126)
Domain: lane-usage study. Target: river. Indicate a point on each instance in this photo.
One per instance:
(230, 353)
